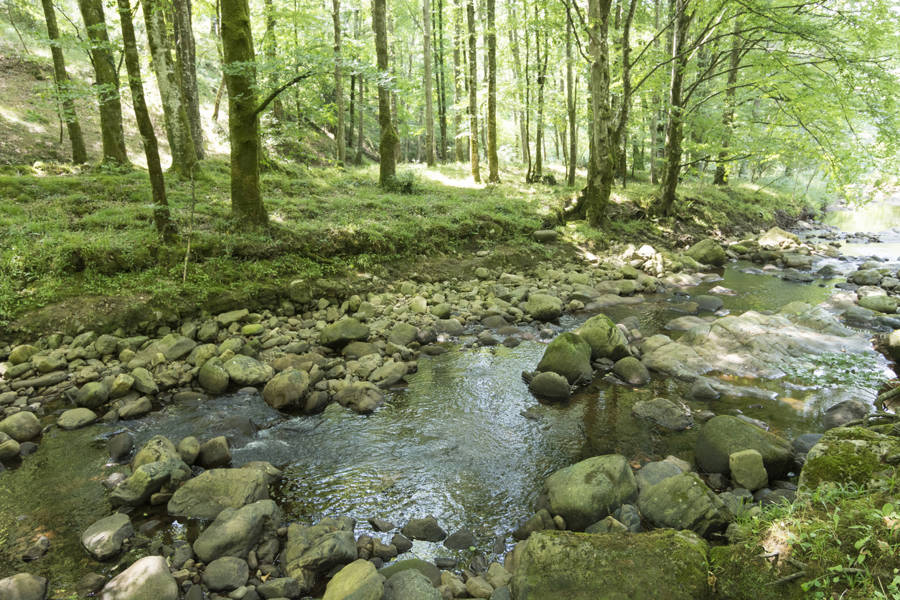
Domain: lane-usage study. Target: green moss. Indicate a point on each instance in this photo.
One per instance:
(848, 455)
(740, 574)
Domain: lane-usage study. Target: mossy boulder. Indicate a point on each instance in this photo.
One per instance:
(286, 389)
(589, 490)
(22, 354)
(245, 370)
(850, 455)
(742, 574)
(543, 307)
(341, 333)
(659, 565)
(605, 339)
(213, 377)
(21, 426)
(684, 502)
(707, 252)
(568, 355)
(883, 304)
(722, 436)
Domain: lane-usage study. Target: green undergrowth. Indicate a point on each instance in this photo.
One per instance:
(833, 542)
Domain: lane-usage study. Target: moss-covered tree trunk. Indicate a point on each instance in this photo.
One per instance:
(600, 169)
(570, 107)
(186, 61)
(459, 79)
(148, 136)
(473, 93)
(721, 176)
(427, 83)
(338, 84)
(540, 39)
(438, 28)
(106, 84)
(493, 160)
(675, 124)
(63, 92)
(243, 119)
(178, 130)
(389, 144)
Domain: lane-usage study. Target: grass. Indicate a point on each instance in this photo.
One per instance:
(70, 235)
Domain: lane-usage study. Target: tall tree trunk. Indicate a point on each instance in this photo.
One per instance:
(540, 39)
(721, 176)
(570, 107)
(360, 130)
(674, 127)
(106, 84)
(601, 165)
(438, 23)
(473, 93)
(63, 91)
(493, 161)
(526, 109)
(270, 52)
(517, 74)
(178, 131)
(658, 150)
(389, 142)
(429, 91)
(161, 217)
(243, 119)
(338, 83)
(459, 54)
(186, 55)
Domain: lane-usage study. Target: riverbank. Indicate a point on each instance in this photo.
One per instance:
(81, 252)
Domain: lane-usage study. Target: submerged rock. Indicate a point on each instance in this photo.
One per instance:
(663, 413)
(724, 435)
(550, 386)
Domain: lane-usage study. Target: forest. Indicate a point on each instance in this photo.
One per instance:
(424, 299)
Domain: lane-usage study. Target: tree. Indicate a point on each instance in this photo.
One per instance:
(338, 84)
(599, 184)
(570, 105)
(472, 82)
(721, 176)
(161, 217)
(63, 91)
(459, 79)
(674, 126)
(186, 70)
(243, 114)
(427, 84)
(106, 83)
(493, 162)
(387, 147)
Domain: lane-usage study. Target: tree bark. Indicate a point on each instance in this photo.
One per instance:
(517, 74)
(601, 164)
(389, 143)
(427, 83)
(106, 84)
(493, 160)
(459, 77)
(721, 176)
(473, 93)
(270, 52)
(570, 107)
(675, 124)
(161, 217)
(63, 92)
(186, 61)
(243, 119)
(359, 127)
(178, 131)
(338, 83)
(540, 38)
(438, 23)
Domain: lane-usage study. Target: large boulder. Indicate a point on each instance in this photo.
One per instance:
(148, 479)
(213, 377)
(286, 389)
(314, 550)
(211, 492)
(226, 574)
(883, 304)
(235, 532)
(568, 355)
(75, 418)
(550, 386)
(339, 334)
(543, 307)
(156, 449)
(357, 581)
(22, 354)
(847, 455)
(588, 491)
(21, 426)
(410, 585)
(707, 252)
(724, 435)
(23, 586)
(245, 370)
(777, 238)
(605, 339)
(684, 502)
(104, 538)
(146, 579)
(615, 566)
(664, 413)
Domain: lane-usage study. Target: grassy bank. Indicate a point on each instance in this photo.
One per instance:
(85, 241)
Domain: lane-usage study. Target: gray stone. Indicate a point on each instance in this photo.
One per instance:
(75, 418)
(213, 377)
(280, 587)
(135, 408)
(208, 494)
(410, 585)
(747, 470)
(357, 581)
(234, 316)
(146, 579)
(226, 574)
(478, 587)
(361, 396)
(426, 529)
(842, 413)
(104, 539)
(287, 389)
(143, 381)
(214, 453)
(315, 549)
(883, 304)
(703, 390)
(48, 364)
(654, 472)
(684, 502)
(545, 236)
(189, 449)
(431, 572)
(663, 413)
(93, 394)
(543, 307)
(724, 435)
(462, 539)
(158, 448)
(449, 326)
(246, 371)
(338, 334)
(21, 354)
(235, 532)
(120, 445)
(631, 371)
(403, 334)
(146, 480)
(21, 426)
(551, 386)
(9, 448)
(23, 586)
(707, 252)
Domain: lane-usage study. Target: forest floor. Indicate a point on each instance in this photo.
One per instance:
(81, 244)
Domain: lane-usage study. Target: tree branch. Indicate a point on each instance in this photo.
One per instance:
(280, 89)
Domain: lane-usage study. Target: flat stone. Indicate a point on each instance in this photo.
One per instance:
(146, 579)
(75, 418)
(104, 539)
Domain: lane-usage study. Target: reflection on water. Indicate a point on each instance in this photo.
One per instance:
(879, 216)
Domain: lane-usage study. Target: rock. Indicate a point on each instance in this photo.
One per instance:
(545, 236)
(236, 532)
(426, 529)
(883, 304)
(93, 394)
(724, 435)
(850, 455)
(605, 339)
(703, 390)
(450, 327)
(357, 581)
(418, 305)
(189, 449)
(226, 574)
(684, 502)
(462, 539)
(40, 382)
(23, 586)
(234, 316)
(578, 566)
(431, 572)
(315, 549)
(777, 238)
(174, 346)
(48, 364)
(143, 381)
(401, 543)
(246, 371)
(550, 386)
(709, 303)
(9, 448)
(664, 413)
(403, 334)
(389, 373)
(213, 377)
(135, 408)
(287, 389)
(361, 396)
(146, 480)
(146, 579)
(478, 587)
(208, 494)
(252, 329)
(21, 354)
(158, 448)
(842, 413)
(543, 307)
(893, 345)
(121, 385)
(106, 345)
(686, 323)
(410, 585)
(747, 470)
(339, 334)
(707, 252)
(568, 355)
(442, 310)
(497, 576)
(75, 418)
(356, 350)
(21, 426)
(120, 446)
(280, 587)
(589, 490)
(104, 539)
(631, 371)
(654, 472)
(866, 277)
(214, 453)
